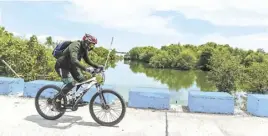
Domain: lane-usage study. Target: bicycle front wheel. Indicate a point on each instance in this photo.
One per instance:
(109, 109)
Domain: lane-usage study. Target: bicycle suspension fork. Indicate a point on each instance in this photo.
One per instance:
(102, 100)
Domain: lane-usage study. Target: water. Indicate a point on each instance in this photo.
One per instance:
(127, 75)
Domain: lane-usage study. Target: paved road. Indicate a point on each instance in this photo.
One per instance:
(19, 118)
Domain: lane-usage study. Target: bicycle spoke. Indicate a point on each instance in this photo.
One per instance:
(116, 108)
(42, 105)
(113, 111)
(112, 116)
(99, 113)
(105, 115)
(100, 116)
(108, 115)
(116, 113)
(45, 107)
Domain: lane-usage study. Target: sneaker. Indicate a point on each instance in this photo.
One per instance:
(57, 103)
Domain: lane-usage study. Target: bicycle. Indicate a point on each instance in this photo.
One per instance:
(70, 101)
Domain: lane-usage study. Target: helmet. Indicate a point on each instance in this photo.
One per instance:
(90, 39)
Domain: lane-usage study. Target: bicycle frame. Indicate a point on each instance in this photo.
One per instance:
(91, 82)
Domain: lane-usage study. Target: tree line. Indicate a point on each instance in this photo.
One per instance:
(229, 69)
(33, 60)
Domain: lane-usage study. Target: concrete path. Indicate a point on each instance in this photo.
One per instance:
(19, 118)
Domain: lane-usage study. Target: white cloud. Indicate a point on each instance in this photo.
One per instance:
(253, 41)
(37, 0)
(136, 16)
(42, 37)
(1, 19)
(229, 13)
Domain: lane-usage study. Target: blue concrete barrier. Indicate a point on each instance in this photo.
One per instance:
(211, 102)
(11, 86)
(32, 87)
(149, 98)
(257, 105)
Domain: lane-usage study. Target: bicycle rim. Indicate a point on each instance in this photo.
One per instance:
(111, 97)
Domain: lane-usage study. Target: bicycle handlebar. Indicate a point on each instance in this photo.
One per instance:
(95, 71)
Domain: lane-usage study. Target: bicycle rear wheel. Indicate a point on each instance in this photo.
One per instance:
(111, 95)
(49, 102)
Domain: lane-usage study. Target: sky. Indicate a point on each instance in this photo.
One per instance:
(239, 23)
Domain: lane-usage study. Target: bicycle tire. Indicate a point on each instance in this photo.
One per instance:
(107, 123)
(37, 104)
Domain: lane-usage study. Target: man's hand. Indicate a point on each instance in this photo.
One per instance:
(90, 69)
(100, 67)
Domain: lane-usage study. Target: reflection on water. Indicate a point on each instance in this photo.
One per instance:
(127, 75)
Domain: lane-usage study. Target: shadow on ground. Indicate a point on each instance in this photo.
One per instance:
(64, 122)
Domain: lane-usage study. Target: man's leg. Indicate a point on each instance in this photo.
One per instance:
(64, 73)
(78, 76)
(67, 81)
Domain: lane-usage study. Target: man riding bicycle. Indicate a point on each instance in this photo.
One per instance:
(69, 63)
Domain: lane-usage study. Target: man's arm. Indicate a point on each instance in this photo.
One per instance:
(87, 60)
(74, 49)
